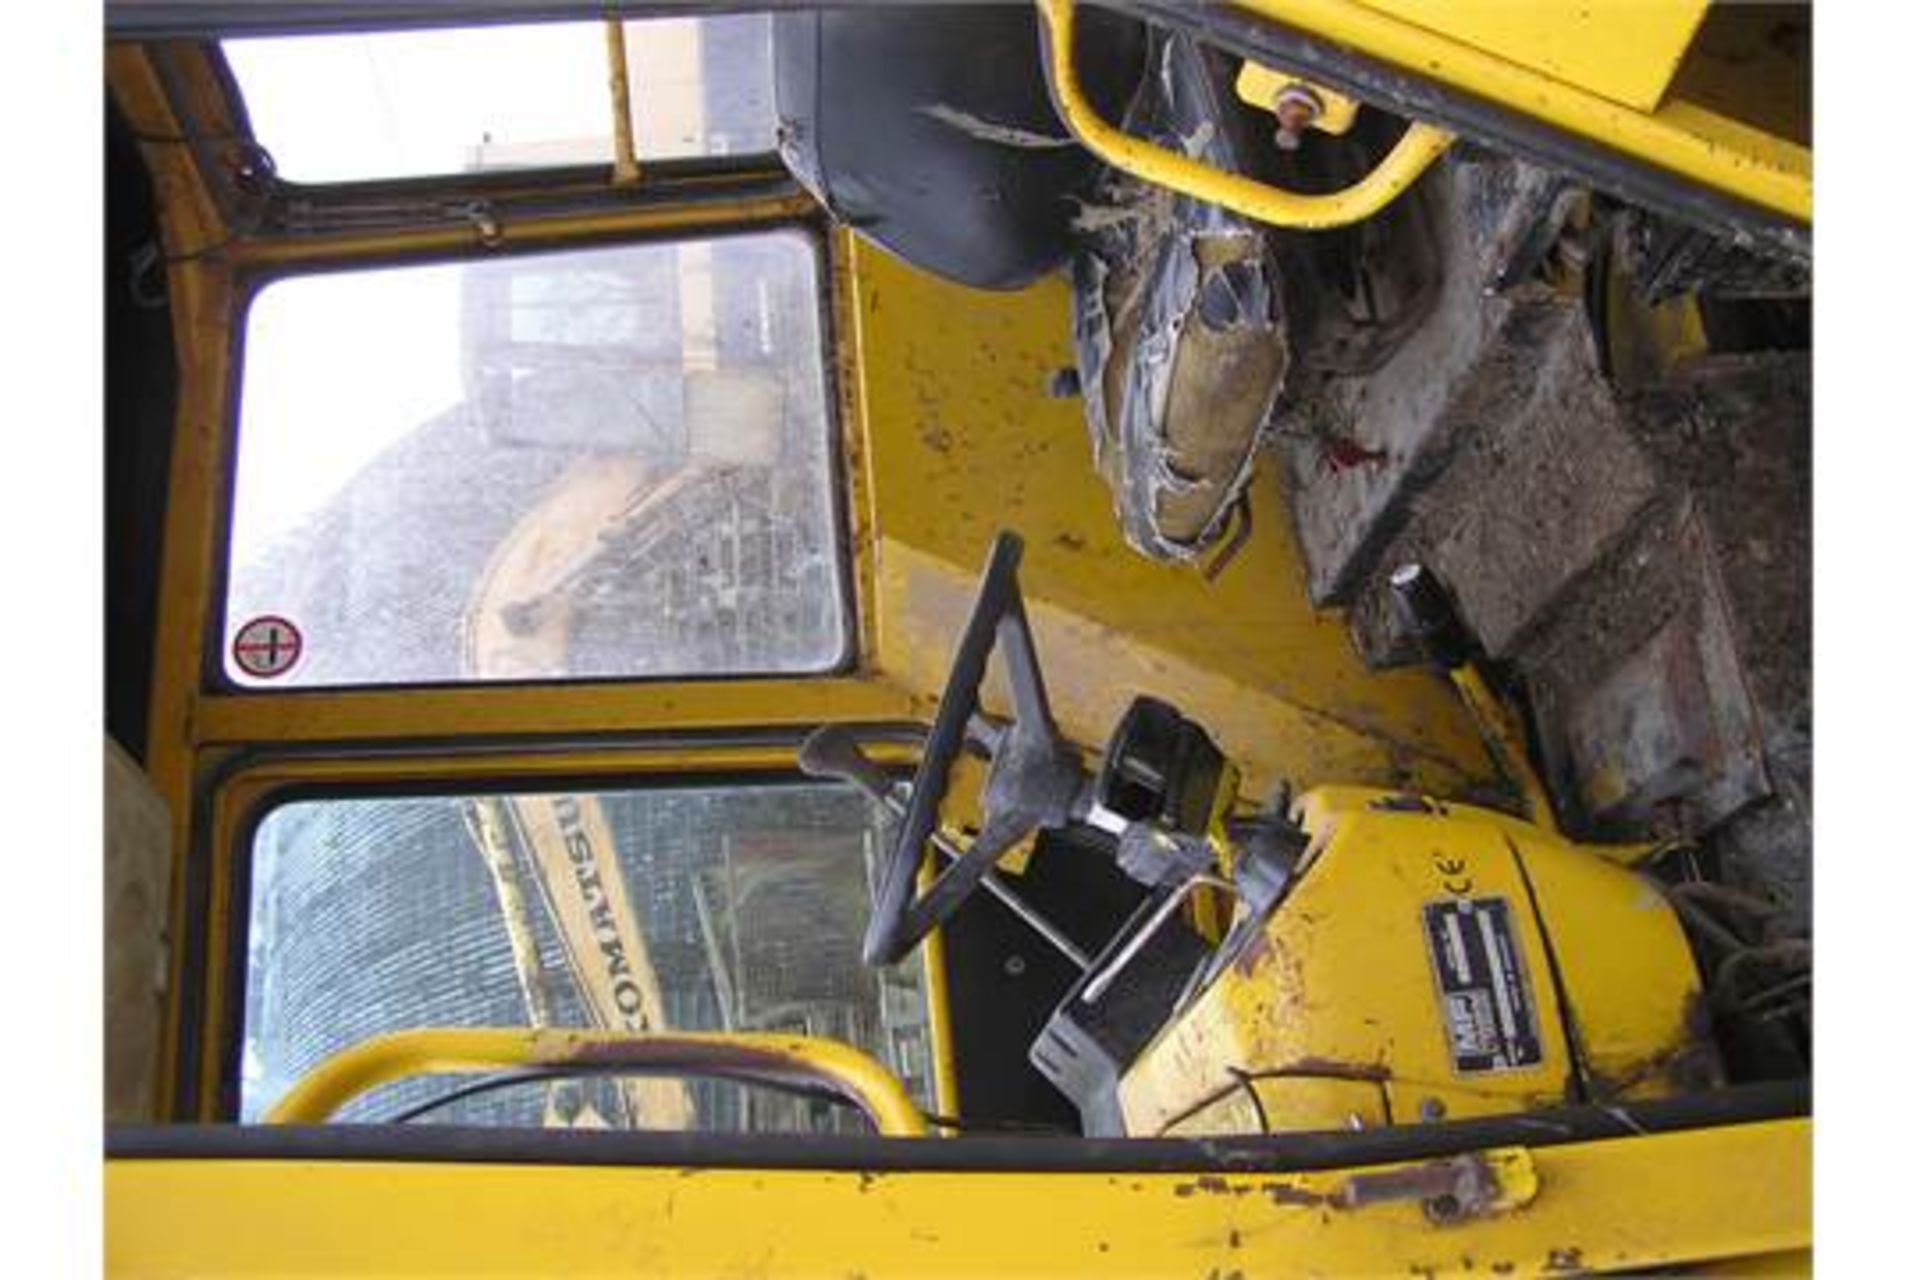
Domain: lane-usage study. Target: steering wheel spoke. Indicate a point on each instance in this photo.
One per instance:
(1034, 780)
(954, 884)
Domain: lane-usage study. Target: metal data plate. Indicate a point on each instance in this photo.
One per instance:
(1486, 1003)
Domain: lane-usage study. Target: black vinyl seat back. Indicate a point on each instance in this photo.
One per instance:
(929, 130)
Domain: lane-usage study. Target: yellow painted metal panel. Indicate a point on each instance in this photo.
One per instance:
(1791, 1264)
(1094, 669)
(962, 441)
(545, 709)
(1340, 988)
(1618, 943)
(1625, 50)
(1646, 1202)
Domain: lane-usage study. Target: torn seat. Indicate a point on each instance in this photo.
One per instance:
(1179, 323)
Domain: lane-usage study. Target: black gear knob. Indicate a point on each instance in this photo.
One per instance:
(1426, 610)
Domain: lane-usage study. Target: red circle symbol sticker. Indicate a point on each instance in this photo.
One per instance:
(266, 647)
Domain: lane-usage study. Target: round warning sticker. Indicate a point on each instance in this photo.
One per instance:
(266, 647)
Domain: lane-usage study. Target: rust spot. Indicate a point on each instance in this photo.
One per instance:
(1233, 1238)
(1686, 1062)
(1070, 541)
(1253, 955)
(1503, 1268)
(700, 1057)
(1564, 1260)
(1420, 1182)
(1328, 1069)
(1449, 1191)
(1211, 1184)
(1402, 802)
(1287, 1193)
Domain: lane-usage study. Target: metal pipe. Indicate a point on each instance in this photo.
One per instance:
(1419, 147)
(468, 1050)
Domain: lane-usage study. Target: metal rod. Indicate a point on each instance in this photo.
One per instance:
(716, 962)
(626, 161)
(1000, 889)
(1012, 901)
(1098, 984)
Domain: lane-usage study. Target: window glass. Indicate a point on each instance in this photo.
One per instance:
(411, 103)
(736, 908)
(598, 463)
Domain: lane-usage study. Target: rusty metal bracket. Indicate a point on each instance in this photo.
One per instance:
(1458, 1189)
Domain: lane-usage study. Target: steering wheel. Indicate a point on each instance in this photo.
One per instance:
(1034, 778)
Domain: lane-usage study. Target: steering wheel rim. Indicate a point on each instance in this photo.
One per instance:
(1035, 778)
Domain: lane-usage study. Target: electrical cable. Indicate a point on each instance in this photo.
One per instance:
(486, 1084)
(510, 1079)
(538, 1075)
(959, 1125)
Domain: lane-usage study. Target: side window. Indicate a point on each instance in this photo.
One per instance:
(402, 104)
(712, 908)
(591, 464)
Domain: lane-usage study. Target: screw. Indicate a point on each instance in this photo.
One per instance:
(1015, 966)
(1432, 1109)
(1295, 107)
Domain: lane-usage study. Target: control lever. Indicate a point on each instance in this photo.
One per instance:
(831, 751)
(1426, 610)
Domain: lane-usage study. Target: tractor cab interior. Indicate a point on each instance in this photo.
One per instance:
(696, 591)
